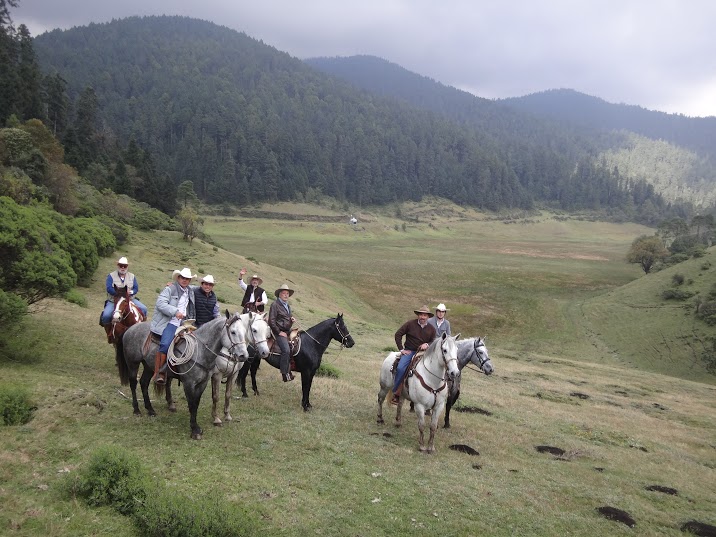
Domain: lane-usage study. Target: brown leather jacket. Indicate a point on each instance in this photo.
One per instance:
(279, 319)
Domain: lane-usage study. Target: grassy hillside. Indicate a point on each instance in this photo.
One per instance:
(334, 471)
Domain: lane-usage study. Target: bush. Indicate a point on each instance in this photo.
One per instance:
(15, 404)
(115, 479)
(76, 297)
(327, 370)
(180, 516)
(706, 311)
(12, 308)
(676, 294)
(677, 279)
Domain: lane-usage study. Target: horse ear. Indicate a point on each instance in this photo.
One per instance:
(226, 312)
(457, 336)
(444, 336)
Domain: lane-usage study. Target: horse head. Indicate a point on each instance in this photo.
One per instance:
(258, 332)
(344, 337)
(233, 337)
(480, 357)
(448, 351)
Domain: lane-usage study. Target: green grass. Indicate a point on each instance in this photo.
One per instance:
(533, 289)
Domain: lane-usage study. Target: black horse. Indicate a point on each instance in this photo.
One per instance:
(314, 343)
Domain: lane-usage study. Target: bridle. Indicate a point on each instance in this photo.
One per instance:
(481, 359)
(446, 361)
(234, 344)
(344, 338)
(191, 340)
(255, 341)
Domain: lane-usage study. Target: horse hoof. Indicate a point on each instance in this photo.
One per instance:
(218, 424)
(245, 396)
(196, 436)
(306, 408)
(447, 426)
(152, 414)
(381, 421)
(172, 408)
(137, 413)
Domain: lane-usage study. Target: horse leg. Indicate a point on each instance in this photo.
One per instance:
(193, 398)
(241, 380)
(381, 398)
(133, 387)
(451, 400)
(434, 419)
(399, 413)
(420, 412)
(306, 382)
(171, 404)
(254, 367)
(227, 395)
(144, 382)
(215, 388)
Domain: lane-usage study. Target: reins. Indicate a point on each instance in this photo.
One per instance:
(434, 391)
(190, 351)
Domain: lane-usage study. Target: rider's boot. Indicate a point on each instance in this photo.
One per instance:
(160, 369)
(396, 395)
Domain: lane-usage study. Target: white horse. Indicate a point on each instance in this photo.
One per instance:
(426, 385)
(255, 331)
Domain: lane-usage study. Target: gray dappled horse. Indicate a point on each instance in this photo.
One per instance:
(226, 367)
(137, 348)
(469, 351)
(425, 385)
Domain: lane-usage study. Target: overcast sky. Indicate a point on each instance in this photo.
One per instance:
(658, 54)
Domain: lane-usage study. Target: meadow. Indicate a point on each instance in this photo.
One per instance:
(541, 288)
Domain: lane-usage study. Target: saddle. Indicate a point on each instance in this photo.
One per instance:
(294, 345)
(411, 367)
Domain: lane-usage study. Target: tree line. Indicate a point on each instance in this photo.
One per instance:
(246, 124)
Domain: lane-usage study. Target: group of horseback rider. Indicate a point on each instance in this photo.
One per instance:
(180, 301)
(418, 334)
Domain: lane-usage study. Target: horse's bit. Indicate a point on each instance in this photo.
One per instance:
(344, 338)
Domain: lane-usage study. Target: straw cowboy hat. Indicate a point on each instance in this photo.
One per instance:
(208, 279)
(122, 261)
(441, 307)
(256, 277)
(284, 287)
(424, 309)
(184, 273)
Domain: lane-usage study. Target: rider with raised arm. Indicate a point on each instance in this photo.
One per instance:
(255, 298)
(418, 335)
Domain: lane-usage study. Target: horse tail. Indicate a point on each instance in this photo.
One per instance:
(159, 389)
(121, 362)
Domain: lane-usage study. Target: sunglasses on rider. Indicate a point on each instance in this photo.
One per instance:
(122, 265)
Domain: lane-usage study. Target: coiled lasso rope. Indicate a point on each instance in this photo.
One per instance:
(188, 354)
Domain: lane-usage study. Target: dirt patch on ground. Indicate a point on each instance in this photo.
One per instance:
(547, 255)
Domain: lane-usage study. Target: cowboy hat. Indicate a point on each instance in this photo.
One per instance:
(440, 307)
(122, 261)
(256, 277)
(184, 273)
(424, 309)
(284, 287)
(208, 279)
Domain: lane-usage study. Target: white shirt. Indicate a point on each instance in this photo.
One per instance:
(264, 298)
(181, 306)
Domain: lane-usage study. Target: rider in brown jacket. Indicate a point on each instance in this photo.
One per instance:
(280, 321)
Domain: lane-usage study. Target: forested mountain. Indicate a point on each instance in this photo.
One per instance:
(245, 123)
(569, 123)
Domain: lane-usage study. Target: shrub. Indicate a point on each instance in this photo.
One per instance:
(180, 516)
(15, 404)
(677, 279)
(327, 370)
(706, 311)
(12, 309)
(115, 479)
(76, 297)
(676, 294)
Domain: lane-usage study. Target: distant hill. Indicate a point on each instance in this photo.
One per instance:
(564, 121)
(247, 123)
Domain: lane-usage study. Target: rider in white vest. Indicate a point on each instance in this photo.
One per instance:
(121, 278)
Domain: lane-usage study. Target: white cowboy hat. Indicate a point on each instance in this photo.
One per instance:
(256, 277)
(440, 307)
(122, 261)
(284, 287)
(208, 279)
(184, 273)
